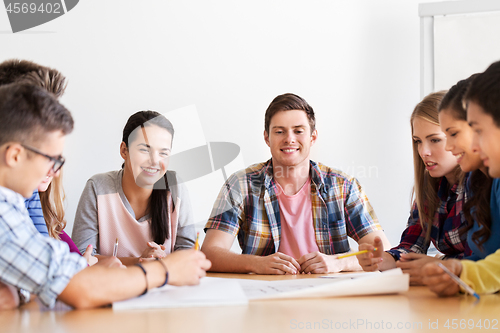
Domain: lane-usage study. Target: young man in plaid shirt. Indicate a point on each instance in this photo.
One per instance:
(291, 215)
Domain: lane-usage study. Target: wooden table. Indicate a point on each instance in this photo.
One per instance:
(417, 310)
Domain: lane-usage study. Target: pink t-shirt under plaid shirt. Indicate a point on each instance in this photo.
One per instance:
(297, 230)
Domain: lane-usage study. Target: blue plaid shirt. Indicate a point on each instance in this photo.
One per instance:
(247, 207)
(28, 260)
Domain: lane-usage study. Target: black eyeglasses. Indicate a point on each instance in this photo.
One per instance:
(58, 161)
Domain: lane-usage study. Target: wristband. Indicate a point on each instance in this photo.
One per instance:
(166, 271)
(145, 276)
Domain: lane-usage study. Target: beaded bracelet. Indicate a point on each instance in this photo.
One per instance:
(166, 271)
(145, 276)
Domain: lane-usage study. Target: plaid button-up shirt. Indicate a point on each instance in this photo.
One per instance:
(447, 231)
(28, 260)
(247, 207)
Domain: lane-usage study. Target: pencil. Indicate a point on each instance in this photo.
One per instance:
(196, 243)
(354, 253)
(115, 249)
(459, 281)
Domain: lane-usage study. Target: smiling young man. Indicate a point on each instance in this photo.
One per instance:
(33, 127)
(290, 214)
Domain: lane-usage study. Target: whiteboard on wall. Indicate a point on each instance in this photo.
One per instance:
(458, 39)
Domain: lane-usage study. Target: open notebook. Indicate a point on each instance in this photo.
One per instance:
(221, 292)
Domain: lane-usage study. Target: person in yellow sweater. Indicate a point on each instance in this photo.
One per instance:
(483, 115)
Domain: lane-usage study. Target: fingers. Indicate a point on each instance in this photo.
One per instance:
(279, 263)
(369, 261)
(314, 263)
(404, 265)
(435, 279)
(154, 251)
(88, 252)
(153, 245)
(316, 268)
(432, 269)
(370, 264)
(289, 259)
(305, 258)
(186, 267)
(286, 267)
(412, 256)
(438, 281)
(366, 246)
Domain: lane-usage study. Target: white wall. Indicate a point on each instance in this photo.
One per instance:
(356, 63)
(465, 44)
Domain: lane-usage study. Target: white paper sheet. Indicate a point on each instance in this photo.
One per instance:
(389, 282)
(210, 292)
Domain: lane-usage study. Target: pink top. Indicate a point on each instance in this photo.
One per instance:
(297, 230)
(65, 238)
(115, 221)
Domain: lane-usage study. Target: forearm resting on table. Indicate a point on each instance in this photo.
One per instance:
(349, 264)
(223, 260)
(97, 286)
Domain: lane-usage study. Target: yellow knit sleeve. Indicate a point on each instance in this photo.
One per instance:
(484, 275)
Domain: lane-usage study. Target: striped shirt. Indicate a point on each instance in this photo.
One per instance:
(247, 207)
(34, 207)
(28, 260)
(447, 231)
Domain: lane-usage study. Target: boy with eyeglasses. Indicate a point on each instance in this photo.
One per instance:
(29, 72)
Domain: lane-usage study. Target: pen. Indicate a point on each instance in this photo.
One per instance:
(459, 281)
(115, 249)
(197, 244)
(354, 253)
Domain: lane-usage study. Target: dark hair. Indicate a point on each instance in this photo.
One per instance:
(23, 71)
(28, 113)
(453, 100)
(287, 102)
(158, 203)
(478, 206)
(484, 90)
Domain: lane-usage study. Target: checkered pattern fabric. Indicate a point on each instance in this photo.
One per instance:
(247, 207)
(28, 260)
(447, 229)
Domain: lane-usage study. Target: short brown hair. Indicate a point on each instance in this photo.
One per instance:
(288, 102)
(28, 112)
(24, 71)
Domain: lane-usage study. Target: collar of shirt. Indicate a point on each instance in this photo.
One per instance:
(457, 189)
(11, 197)
(314, 174)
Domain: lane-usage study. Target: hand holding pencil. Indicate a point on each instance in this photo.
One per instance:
(439, 281)
(371, 259)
